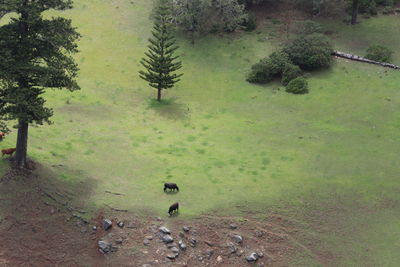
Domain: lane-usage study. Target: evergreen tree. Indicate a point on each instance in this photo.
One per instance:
(35, 54)
(161, 63)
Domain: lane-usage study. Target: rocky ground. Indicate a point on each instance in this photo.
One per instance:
(39, 227)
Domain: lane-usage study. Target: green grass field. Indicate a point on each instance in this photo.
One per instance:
(329, 159)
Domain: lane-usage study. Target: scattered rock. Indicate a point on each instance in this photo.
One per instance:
(164, 230)
(107, 224)
(167, 239)
(52, 211)
(119, 241)
(237, 238)
(231, 247)
(240, 253)
(172, 256)
(193, 242)
(186, 229)
(131, 225)
(175, 250)
(149, 237)
(146, 242)
(233, 226)
(259, 233)
(252, 257)
(200, 258)
(104, 247)
(219, 259)
(182, 245)
(94, 228)
(121, 224)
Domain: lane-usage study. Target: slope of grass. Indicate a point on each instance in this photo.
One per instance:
(232, 146)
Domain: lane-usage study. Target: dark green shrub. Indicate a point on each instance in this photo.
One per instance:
(379, 53)
(297, 86)
(289, 73)
(388, 10)
(250, 22)
(310, 52)
(268, 68)
(260, 72)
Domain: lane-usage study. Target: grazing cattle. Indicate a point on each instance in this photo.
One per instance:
(170, 186)
(2, 135)
(8, 151)
(174, 208)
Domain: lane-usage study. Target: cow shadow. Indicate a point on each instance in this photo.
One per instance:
(171, 192)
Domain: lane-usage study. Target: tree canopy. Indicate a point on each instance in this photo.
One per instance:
(36, 54)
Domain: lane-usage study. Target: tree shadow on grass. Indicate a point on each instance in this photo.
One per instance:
(169, 108)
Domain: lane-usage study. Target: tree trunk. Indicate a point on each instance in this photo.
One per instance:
(22, 144)
(365, 60)
(354, 12)
(159, 94)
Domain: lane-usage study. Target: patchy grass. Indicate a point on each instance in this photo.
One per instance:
(232, 146)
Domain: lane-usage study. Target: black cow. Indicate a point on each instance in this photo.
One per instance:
(174, 208)
(170, 186)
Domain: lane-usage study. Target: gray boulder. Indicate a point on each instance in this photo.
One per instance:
(164, 230)
(104, 247)
(107, 224)
(167, 239)
(237, 238)
(252, 257)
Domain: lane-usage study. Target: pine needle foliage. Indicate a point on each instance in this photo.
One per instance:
(160, 62)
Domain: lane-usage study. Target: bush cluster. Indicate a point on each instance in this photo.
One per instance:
(309, 50)
(297, 86)
(379, 53)
(250, 22)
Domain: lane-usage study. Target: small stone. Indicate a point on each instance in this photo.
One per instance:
(149, 237)
(182, 245)
(131, 225)
(260, 254)
(52, 211)
(219, 259)
(172, 256)
(240, 253)
(200, 258)
(119, 241)
(259, 234)
(175, 250)
(121, 224)
(237, 238)
(193, 242)
(231, 247)
(233, 226)
(167, 239)
(94, 228)
(104, 247)
(252, 257)
(164, 230)
(186, 229)
(159, 219)
(107, 224)
(146, 242)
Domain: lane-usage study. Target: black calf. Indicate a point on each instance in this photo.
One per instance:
(170, 186)
(174, 207)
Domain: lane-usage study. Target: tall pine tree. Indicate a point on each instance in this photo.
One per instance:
(36, 53)
(161, 63)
